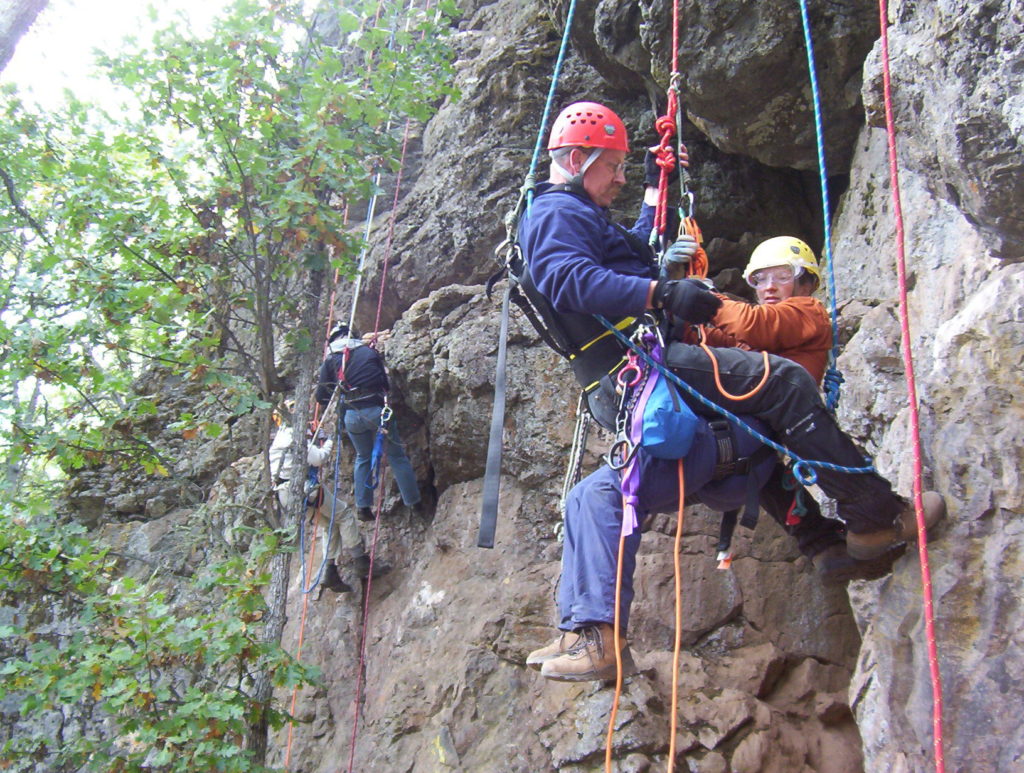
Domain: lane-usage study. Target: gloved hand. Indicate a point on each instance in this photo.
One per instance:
(652, 172)
(688, 299)
(682, 250)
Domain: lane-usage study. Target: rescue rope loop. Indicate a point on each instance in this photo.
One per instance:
(718, 380)
(675, 379)
(804, 473)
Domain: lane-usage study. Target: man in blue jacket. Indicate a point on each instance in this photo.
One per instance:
(579, 264)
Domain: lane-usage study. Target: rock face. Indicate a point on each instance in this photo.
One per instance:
(777, 673)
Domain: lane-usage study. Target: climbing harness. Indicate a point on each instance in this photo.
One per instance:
(803, 469)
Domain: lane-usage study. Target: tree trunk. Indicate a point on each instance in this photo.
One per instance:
(277, 591)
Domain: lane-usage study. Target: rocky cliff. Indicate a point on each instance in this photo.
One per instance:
(778, 672)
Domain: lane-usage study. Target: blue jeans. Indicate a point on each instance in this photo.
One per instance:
(593, 523)
(361, 425)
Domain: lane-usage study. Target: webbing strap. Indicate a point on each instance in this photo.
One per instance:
(492, 472)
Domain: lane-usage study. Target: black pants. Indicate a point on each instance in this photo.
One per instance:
(790, 404)
(814, 532)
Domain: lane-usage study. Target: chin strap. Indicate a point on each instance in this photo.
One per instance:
(577, 179)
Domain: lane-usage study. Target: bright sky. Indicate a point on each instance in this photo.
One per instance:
(57, 50)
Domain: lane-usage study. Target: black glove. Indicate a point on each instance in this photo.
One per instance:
(687, 298)
(652, 172)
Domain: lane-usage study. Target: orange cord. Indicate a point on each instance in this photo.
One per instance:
(302, 630)
(718, 380)
(618, 655)
(678, 645)
(699, 262)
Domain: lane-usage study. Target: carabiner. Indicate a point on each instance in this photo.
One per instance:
(632, 366)
(621, 452)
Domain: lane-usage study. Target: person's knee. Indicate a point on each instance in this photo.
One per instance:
(795, 377)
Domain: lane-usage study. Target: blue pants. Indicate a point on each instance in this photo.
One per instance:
(361, 425)
(593, 523)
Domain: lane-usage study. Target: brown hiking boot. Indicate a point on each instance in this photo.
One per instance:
(559, 646)
(591, 658)
(835, 565)
(872, 544)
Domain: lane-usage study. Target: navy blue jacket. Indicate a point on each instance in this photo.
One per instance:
(364, 371)
(581, 261)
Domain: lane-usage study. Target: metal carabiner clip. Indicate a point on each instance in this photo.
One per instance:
(621, 452)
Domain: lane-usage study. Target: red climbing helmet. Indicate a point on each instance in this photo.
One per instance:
(588, 125)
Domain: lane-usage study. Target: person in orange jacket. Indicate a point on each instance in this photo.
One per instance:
(790, 322)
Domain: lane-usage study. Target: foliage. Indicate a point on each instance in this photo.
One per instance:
(178, 232)
(170, 689)
(174, 236)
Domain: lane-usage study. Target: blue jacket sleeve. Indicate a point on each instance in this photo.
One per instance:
(561, 245)
(644, 224)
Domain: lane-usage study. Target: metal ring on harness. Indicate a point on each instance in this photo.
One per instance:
(385, 415)
(616, 458)
(630, 367)
(805, 473)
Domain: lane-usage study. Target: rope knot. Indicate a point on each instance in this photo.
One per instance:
(831, 383)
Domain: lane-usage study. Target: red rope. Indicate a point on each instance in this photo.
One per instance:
(365, 623)
(908, 364)
(380, 492)
(666, 159)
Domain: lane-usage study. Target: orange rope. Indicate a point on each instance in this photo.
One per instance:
(678, 644)
(618, 656)
(302, 630)
(698, 266)
(316, 520)
(718, 380)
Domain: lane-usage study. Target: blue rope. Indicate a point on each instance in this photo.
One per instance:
(802, 468)
(531, 177)
(833, 378)
(375, 457)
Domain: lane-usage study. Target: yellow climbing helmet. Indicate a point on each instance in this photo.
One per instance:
(783, 251)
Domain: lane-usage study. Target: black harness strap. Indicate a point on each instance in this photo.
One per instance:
(492, 472)
(728, 465)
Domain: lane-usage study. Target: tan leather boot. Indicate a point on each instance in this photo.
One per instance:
(562, 644)
(873, 544)
(591, 658)
(835, 566)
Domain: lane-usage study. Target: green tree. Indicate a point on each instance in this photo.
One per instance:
(192, 233)
(154, 686)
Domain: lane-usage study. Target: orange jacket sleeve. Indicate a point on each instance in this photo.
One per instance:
(798, 329)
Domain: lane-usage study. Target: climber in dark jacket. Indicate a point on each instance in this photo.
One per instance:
(579, 264)
(364, 386)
